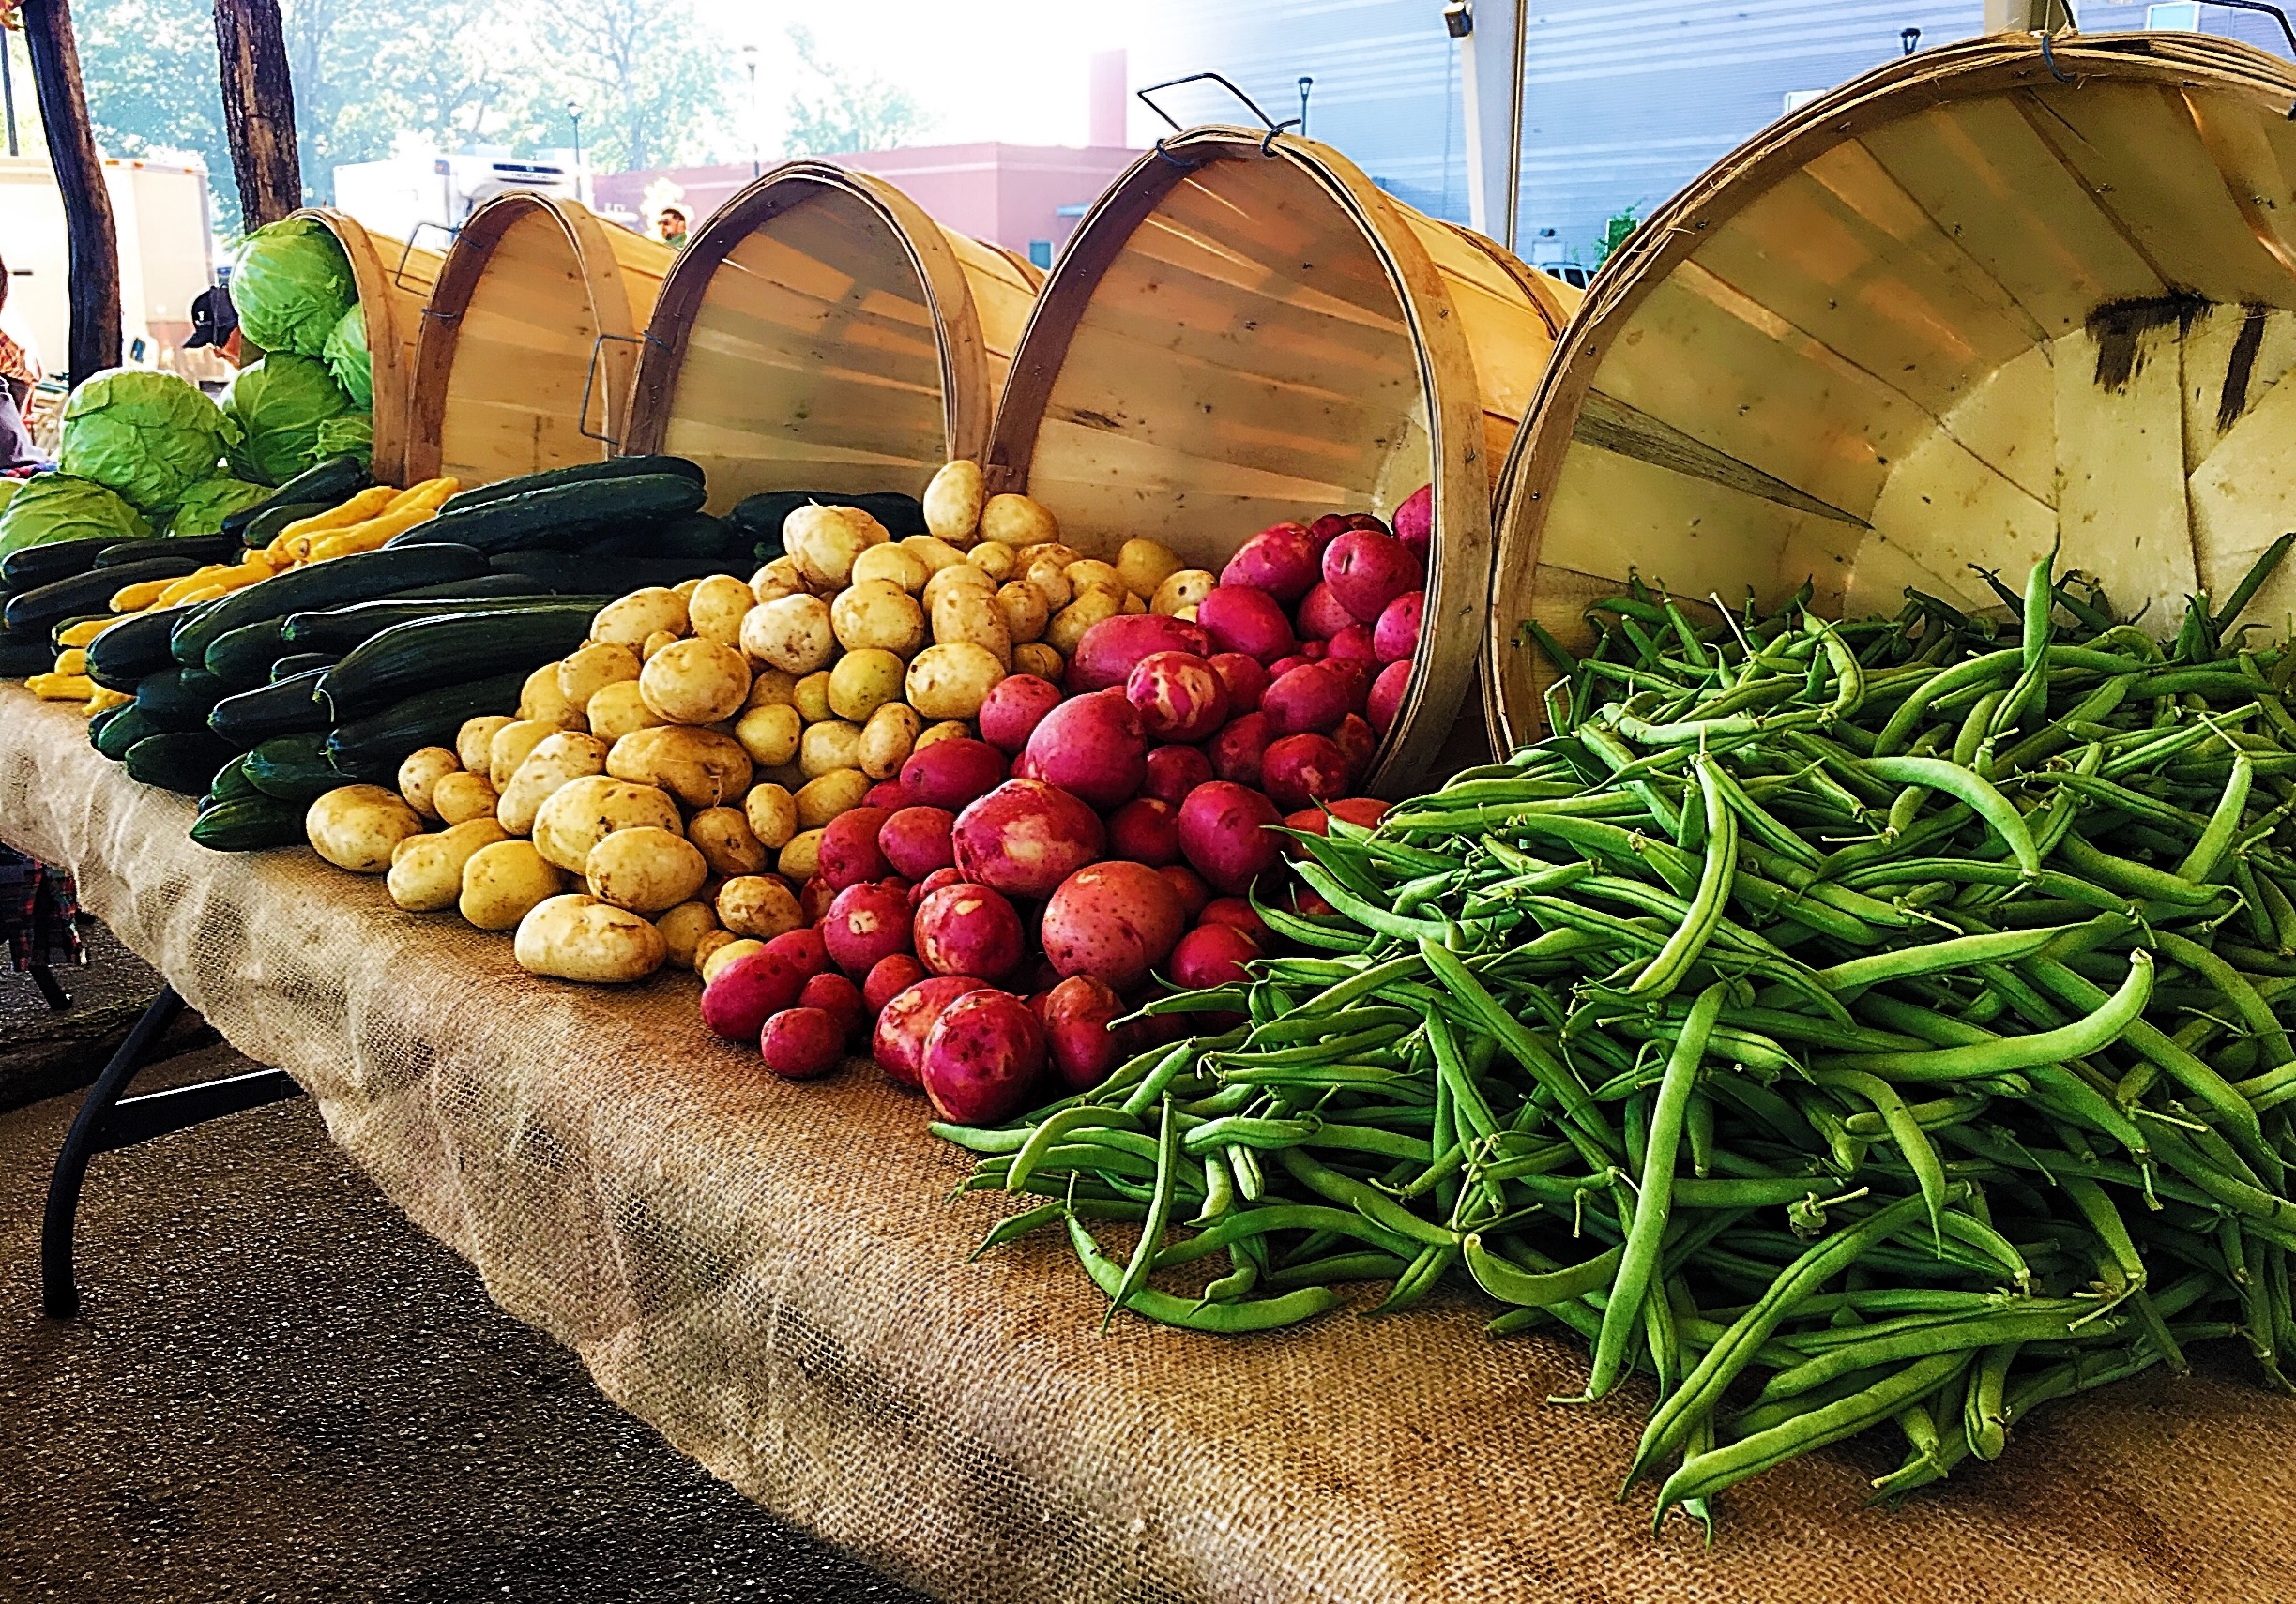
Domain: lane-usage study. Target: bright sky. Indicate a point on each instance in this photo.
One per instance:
(1002, 69)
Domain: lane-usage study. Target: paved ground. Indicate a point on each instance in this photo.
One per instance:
(281, 1390)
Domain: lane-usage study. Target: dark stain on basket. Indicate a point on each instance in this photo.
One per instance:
(2120, 328)
(2240, 369)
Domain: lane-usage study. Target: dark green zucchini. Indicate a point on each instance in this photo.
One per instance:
(293, 768)
(127, 652)
(761, 515)
(696, 535)
(179, 699)
(370, 748)
(568, 574)
(343, 629)
(288, 708)
(326, 484)
(97, 722)
(243, 658)
(28, 568)
(428, 653)
(485, 587)
(206, 548)
(89, 592)
(263, 527)
(180, 760)
(577, 474)
(24, 653)
(360, 577)
(126, 727)
(301, 662)
(563, 515)
(249, 824)
(231, 782)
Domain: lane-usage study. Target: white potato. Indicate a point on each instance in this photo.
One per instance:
(642, 612)
(1038, 659)
(501, 881)
(833, 744)
(954, 501)
(715, 949)
(647, 871)
(1017, 521)
(810, 696)
(771, 687)
(1087, 571)
(877, 615)
(542, 700)
(826, 796)
(935, 555)
(954, 576)
(794, 633)
(971, 612)
(583, 674)
(684, 928)
(1093, 604)
(1025, 611)
(893, 563)
(863, 681)
(421, 771)
(823, 542)
(427, 875)
(802, 859)
(948, 729)
(1184, 588)
(356, 826)
(770, 734)
(772, 814)
(585, 811)
(575, 937)
(619, 709)
(951, 681)
(994, 559)
(727, 843)
(700, 768)
(462, 797)
(696, 682)
(777, 579)
(1050, 576)
(473, 743)
(1143, 565)
(567, 756)
(717, 607)
(888, 738)
(760, 906)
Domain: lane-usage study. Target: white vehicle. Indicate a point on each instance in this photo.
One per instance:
(166, 257)
(408, 193)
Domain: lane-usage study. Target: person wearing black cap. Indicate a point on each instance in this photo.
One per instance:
(216, 322)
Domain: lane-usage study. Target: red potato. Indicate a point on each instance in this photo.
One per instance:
(1146, 830)
(917, 841)
(1026, 837)
(1235, 751)
(1212, 955)
(1179, 697)
(1368, 520)
(1174, 771)
(1014, 708)
(1117, 921)
(1297, 770)
(950, 774)
(953, 875)
(1075, 1015)
(1328, 528)
(1307, 700)
(1356, 674)
(1106, 652)
(1092, 747)
(1415, 521)
(813, 900)
(1316, 820)
(1387, 693)
(836, 995)
(1283, 666)
(1281, 560)
(1223, 833)
(1240, 619)
(1309, 903)
(904, 1024)
(803, 947)
(1322, 616)
(1355, 643)
(1395, 637)
(867, 922)
(1358, 743)
(1367, 569)
(1245, 677)
(1314, 651)
(968, 929)
(748, 991)
(1236, 912)
(1023, 769)
(890, 977)
(1189, 886)
(890, 794)
(849, 851)
(803, 1044)
(983, 1058)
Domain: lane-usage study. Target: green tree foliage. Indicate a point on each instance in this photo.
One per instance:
(1614, 235)
(654, 81)
(847, 109)
(151, 78)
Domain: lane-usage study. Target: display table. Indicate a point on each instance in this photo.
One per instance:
(774, 1276)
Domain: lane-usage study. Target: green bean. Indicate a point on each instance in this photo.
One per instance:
(1251, 1314)
(1966, 788)
(2109, 1020)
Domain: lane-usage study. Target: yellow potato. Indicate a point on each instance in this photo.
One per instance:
(511, 744)
(462, 797)
(948, 729)
(1184, 588)
(759, 906)
(1089, 571)
(1143, 565)
(716, 948)
(935, 555)
(685, 589)
(421, 771)
(1186, 614)
(696, 682)
(642, 612)
(647, 871)
(717, 607)
(1050, 576)
(833, 744)
(826, 796)
(583, 674)
(700, 768)
(951, 681)
(654, 643)
(888, 739)
(619, 709)
(771, 813)
(863, 681)
(727, 843)
(971, 612)
(993, 558)
(777, 579)
(1133, 605)
(823, 542)
(794, 633)
(1017, 521)
(585, 811)
(1059, 551)
(954, 576)
(427, 875)
(1092, 605)
(684, 928)
(501, 882)
(1025, 611)
(810, 696)
(573, 937)
(770, 734)
(567, 756)
(802, 859)
(894, 564)
(356, 826)
(877, 615)
(474, 742)
(542, 700)
(954, 501)
(1038, 659)
(771, 687)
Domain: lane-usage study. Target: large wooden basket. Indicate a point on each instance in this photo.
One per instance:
(530, 342)
(821, 332)
(1969, 304)
(1245, 329)
(394, 280)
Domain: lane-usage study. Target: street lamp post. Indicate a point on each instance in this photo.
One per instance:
(1306, 83)
(573, 113)
(749, 59)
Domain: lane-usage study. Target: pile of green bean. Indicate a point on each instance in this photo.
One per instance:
(1836, 1023)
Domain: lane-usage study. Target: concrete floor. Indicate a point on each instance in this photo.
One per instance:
(279, 1389)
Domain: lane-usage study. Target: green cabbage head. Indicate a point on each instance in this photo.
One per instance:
(48, 507)
(347, 359)
(147, 436)
(291, 286)
(206, 504)
(279, 404)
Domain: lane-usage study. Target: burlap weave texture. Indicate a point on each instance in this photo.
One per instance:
(771, 1276)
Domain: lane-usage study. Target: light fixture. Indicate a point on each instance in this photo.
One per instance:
(1459, 18)
(1910, 38)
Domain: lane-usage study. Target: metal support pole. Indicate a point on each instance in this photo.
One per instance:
(1491, 73)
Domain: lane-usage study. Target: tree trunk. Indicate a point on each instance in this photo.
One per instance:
(258, 109)
(94, 258)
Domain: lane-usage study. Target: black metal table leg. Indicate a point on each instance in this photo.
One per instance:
(45, 979)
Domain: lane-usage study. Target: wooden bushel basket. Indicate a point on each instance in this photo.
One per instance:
(1970, 303)
(530, 340)
(1245, 329)
(821, 332)
(394, 282)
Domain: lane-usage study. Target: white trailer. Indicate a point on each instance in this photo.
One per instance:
(410, 194)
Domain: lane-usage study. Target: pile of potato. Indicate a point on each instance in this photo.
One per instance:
(660, 792)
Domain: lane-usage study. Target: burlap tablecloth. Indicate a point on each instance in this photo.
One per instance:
(773, 1277)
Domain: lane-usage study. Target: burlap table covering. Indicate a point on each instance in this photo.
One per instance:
(774, 1278)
